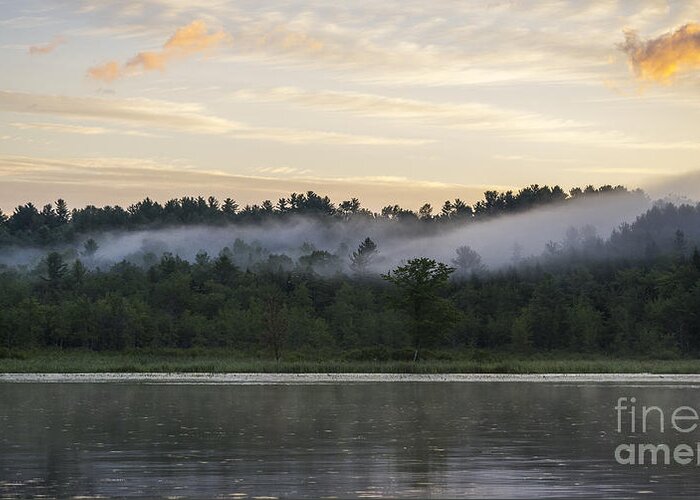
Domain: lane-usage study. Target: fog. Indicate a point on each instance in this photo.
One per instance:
(678, 188)
(493, 239)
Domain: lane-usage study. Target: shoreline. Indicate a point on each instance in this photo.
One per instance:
(339, 378)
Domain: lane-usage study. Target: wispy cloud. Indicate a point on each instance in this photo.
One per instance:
(454, 43)
(660, 59)
(404, 42)
(46, 48)
(145, 112)
(533, 159)
(387, 62)
(78, 129)
(183, 117)
(188, 40)
(471, 116)
(283, 171)
(26, 22)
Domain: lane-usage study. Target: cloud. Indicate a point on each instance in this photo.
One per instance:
(104, 180)
(145, 112)
(106, 72)
(186, 41)
(405, 62)
(26, 22)
(77, 129)
(47, 47)
(461, 115)
(470, 116)
(283, 170)
(400, 42)
(533, 159)
(194, 38)
(660, 59)
(182, 117)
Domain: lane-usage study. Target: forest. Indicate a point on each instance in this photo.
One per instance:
(634, 292)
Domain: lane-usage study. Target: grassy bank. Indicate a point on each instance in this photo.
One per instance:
(226, 362)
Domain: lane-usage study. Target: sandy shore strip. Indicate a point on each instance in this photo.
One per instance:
(338, 378)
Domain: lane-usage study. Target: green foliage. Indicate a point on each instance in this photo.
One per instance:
(585, 325)
(623, 308)
(275, 321)
(521, 336)
(419, 282)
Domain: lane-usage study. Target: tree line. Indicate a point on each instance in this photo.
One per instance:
(56, 223)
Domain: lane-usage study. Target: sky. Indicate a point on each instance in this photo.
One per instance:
(398, 101)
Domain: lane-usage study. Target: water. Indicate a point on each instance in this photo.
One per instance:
(481, 439)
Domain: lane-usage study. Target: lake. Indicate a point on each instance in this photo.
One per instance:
(367, 439)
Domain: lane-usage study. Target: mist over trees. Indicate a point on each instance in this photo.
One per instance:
(624, 307)
(55, 223)
(635, 291)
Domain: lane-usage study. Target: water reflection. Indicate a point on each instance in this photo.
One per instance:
(363, 440)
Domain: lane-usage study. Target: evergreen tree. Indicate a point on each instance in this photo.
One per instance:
(364, 255)
(62, 213)
(229, 207)
(56, 270)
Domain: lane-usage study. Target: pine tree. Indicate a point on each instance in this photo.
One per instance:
(62, 213)
(362, 258)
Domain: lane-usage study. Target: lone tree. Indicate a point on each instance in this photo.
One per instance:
(419, 282)
(362, 258)
(467, 261)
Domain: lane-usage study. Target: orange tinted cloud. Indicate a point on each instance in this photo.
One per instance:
(186, 41)
(38, 50)
(194, 38)
(148, 61)
(106, 72)
(659, 59)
